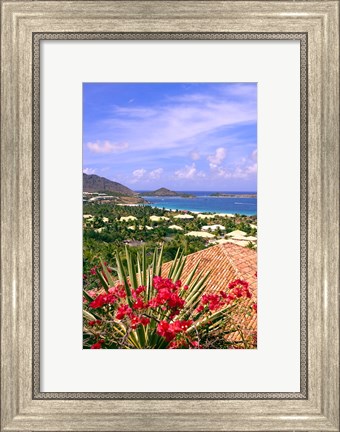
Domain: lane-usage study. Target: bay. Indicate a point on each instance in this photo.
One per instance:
(205, 203)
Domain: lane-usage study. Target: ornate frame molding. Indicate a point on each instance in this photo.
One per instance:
(26, 22)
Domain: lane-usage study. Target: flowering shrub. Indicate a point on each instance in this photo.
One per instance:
(145, 310)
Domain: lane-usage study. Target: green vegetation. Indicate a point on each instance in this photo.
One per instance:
(105, 232)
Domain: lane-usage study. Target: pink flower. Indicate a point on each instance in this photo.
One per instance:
(118, 291)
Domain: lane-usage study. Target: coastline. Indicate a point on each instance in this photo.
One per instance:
(196, 212)
(203, 203)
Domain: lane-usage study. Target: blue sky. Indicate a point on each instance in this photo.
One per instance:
(183, 136)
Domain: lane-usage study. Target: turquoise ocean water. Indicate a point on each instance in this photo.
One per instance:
(203, 202)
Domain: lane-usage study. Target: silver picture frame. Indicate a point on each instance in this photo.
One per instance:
(24, 25)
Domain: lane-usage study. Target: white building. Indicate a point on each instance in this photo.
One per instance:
(183, 216)
(205, 216)
(127, 218)
(200, 234)
(213, 227)
(176, 227)
(154, 218)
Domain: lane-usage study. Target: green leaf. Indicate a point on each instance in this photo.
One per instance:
(158, 268)
(109, 278)
(103, 281)
(174, 263)
(122, 277)
(131, 269)
(88, 316)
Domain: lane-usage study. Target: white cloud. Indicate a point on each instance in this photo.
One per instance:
(189, 172)
(107, 147)
(251, 169)
(169, 125)
(218, 157)
(89, 171)
(195, 155)
(237, 173)
(139, 173)
(155, 174)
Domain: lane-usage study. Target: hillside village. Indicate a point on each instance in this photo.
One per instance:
(108, 227)
(114, 216)
(213, 228)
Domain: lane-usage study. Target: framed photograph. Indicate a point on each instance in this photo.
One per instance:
(131, 301)
(170, 215)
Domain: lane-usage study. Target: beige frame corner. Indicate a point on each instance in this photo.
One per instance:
(21, 409)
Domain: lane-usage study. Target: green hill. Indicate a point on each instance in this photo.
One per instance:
(94, 183)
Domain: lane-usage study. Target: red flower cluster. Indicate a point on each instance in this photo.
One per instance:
(122, 311)
(255, 307)
(167, 295)
(170, 330)
(214, 301)
(92, 323)
(136, 321)
(102, 300)
(239, 288)
(135, 293)
(139, 304)
(115, 293)
(97, 345)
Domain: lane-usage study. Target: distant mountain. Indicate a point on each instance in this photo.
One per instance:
(94, 183)
(167, 192)
(164, 192)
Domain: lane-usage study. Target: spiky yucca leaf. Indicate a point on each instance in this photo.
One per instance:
(88, 316)
(108, 275)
